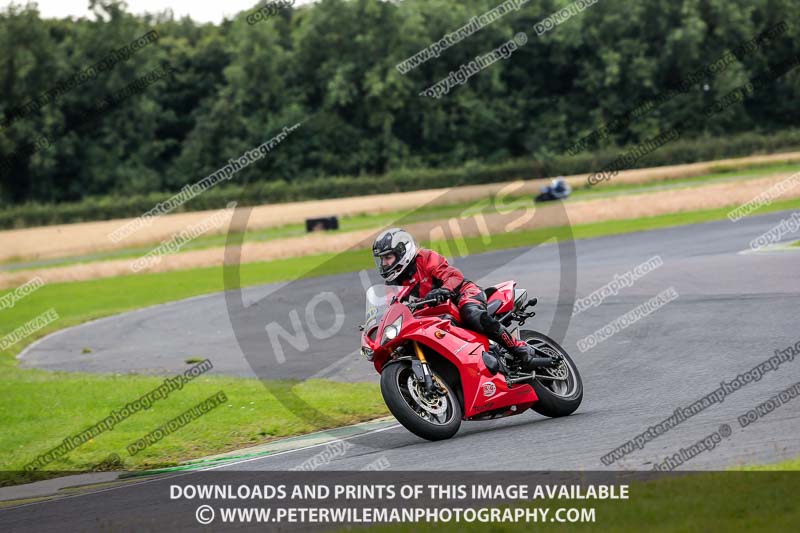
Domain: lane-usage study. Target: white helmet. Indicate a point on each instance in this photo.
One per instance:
(397, 242)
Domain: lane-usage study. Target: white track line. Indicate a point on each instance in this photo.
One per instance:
(298, 449)
(132, 484)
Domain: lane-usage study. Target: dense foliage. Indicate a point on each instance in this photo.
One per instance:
(332, 66)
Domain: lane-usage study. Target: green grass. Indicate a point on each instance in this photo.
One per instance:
(41, 408)
(791, 464)
(762, 498)
(796, 243)
(430, 212)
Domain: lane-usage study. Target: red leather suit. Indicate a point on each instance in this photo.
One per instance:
(431, 271)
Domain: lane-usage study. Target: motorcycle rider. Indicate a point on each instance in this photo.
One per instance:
(399, 262)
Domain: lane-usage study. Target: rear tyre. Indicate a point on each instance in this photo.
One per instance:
(433, 419)
(562, 394)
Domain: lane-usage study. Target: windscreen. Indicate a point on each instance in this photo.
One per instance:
(378, 299)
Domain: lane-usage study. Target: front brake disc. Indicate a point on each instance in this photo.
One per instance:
(436, 406)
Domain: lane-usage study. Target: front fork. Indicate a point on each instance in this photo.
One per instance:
(421, 369)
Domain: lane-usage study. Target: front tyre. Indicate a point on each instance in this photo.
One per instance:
(435, 418)
(560, 389)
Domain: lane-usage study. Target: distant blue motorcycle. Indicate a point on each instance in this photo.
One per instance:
(557, 190)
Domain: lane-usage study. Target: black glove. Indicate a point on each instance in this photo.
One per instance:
(440, 295)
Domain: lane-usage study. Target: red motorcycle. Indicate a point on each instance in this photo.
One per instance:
(435, 373)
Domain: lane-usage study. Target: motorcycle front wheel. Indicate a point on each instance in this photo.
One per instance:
(435, 417)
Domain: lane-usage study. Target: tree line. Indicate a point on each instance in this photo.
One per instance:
(223, 89)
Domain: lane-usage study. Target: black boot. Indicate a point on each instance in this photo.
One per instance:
(519, 350)
(522, 351)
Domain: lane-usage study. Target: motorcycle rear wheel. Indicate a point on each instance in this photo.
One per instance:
(403, 396)
(556, 397)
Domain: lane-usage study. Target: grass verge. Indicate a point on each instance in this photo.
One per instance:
(43, 408)
(791, 464)
(762, 498)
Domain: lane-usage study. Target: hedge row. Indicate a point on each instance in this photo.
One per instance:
(678, 152)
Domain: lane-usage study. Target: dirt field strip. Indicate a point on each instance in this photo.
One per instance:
(579, 212)
(68, 240)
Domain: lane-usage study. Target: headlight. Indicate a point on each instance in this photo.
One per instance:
(367, 353)
(391, 331)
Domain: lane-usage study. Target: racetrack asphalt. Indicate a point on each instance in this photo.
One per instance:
(733, 311)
